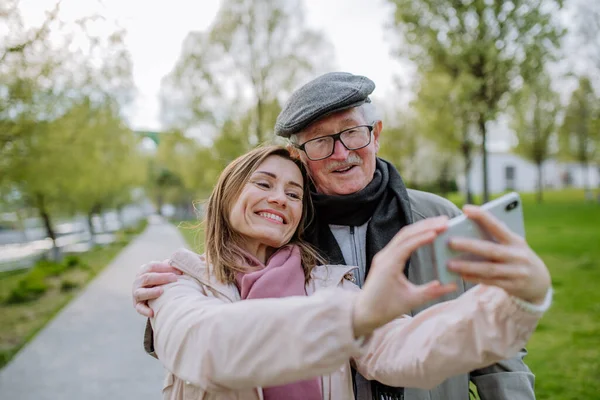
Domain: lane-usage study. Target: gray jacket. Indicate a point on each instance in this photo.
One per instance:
(508, 380)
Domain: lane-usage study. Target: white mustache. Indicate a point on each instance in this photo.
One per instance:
(352, 160)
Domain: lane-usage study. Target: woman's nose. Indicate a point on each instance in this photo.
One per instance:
(278, 197)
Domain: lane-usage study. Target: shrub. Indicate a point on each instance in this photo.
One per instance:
(67, 285)
(49, 268)
(29, 288)
(71, 261)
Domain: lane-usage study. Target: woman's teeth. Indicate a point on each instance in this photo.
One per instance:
(271, 216)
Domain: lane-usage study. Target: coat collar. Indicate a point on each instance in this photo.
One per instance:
(194, 264)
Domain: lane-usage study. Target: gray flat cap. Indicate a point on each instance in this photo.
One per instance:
(327, 94)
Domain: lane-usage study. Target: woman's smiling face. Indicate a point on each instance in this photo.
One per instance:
(269, 207)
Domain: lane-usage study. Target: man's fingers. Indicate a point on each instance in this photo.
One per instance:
(152, 279)
(485, 270)
(143, 295)
(158, 266)
(144, 310)
(491, 224)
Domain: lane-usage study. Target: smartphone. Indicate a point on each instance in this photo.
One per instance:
(507, 208)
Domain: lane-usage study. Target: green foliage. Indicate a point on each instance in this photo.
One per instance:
(67, 285)
(485, 48)
(255, 52)
(71, 261)
(62, 108)
(579, 135)
(535, 111)
(32, 287)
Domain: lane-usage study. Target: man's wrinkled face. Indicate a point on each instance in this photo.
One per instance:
(345, 171)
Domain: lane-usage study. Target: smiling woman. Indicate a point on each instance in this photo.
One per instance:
(269, 207)
(259, 204)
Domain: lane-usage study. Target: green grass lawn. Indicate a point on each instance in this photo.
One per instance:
(565, 349)
(564, 352)
(21, 321)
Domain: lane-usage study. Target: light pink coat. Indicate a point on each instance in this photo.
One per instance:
(218, 347)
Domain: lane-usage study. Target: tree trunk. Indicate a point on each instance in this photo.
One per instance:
(481, 122)
(119, 210)
(540, 188)
(259, 114)
(598, 195)
(586, 181)
(41, 206)
(90, 222)
(466, 152)
(159, 204)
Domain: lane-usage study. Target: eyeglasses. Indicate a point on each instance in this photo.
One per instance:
(352, 138)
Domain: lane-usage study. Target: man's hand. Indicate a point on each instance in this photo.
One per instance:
(509, 262)
(387, 293)
(148, 282)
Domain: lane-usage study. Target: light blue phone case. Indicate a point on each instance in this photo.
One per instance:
(507, 208)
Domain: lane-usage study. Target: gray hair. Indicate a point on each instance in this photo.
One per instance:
(368, 111)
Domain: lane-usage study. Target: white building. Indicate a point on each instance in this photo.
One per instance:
(507, 171)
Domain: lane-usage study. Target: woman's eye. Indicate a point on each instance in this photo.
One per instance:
(263, 184)
(295, 196)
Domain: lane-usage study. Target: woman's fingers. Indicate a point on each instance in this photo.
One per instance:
(491, 224)
(487, 249)
(433, 290)
(436, 225)
(485, 270)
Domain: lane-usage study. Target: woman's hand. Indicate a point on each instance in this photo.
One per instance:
(509, 262)
(387, 293)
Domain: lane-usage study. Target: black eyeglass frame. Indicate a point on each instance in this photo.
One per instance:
(336, 137)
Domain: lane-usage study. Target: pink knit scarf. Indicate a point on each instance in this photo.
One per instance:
(283, 276)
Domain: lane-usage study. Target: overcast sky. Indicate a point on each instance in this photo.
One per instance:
(156, 29)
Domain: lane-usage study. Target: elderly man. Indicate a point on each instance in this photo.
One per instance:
(361, 202)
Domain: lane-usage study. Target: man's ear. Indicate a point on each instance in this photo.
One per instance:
(377, 128)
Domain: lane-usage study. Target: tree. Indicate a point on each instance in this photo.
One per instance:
(579, 133)
(16, 44)
(490, 45)
(446, 118)
(255, 52)
(587, 31)
(55, 107)
(106, 159)
(535, 110)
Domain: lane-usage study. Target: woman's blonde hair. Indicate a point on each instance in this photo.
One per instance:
(222, 244)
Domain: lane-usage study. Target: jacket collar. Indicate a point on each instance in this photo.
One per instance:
(194, 264)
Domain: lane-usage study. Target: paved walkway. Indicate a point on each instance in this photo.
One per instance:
(93, 348)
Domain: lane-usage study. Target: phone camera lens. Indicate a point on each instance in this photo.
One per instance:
(512, 206)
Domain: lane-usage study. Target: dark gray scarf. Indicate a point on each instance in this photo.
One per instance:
(384, 201)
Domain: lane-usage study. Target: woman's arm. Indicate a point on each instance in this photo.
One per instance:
(251, 343)
(481, 327)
